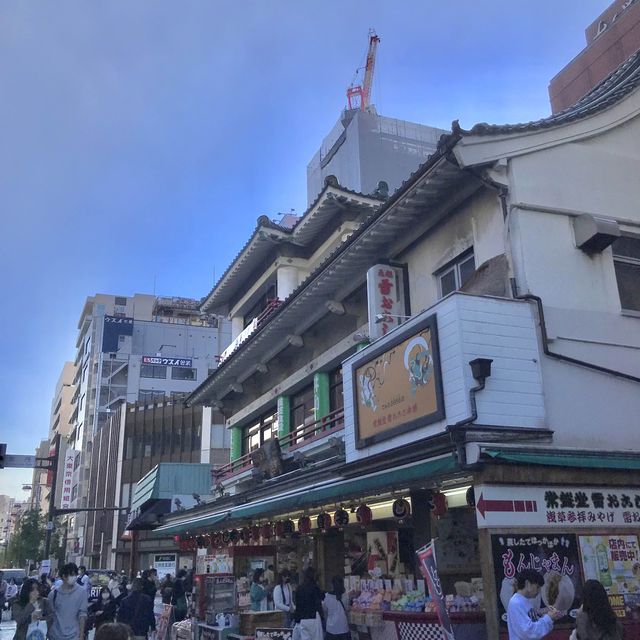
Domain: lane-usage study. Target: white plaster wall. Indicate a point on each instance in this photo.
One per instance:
(470, 327)
(478, 223)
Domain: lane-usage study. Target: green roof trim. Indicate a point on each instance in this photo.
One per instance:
(318, 495)
(566, 459)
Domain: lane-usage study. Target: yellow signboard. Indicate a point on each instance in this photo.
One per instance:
(398, 387)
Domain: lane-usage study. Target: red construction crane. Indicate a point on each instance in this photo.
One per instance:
(364, 90)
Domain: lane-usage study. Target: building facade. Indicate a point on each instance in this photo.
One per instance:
(364, 148)
(611, 38)
(139, 348)
(463, 366)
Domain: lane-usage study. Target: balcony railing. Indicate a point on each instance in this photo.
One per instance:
(303, 435)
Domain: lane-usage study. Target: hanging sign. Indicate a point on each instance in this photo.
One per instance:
(386, 299)
(67, 478)
(565, 507)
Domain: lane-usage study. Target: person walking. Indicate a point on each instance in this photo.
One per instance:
(136, 610)
(179, 596)
(84, 580)
(257, 593)
(30, 607)
(12, 590)
(69, 604)
(114, 631)
(308, 613)
(148, 585)
(523, 622)
(283, 596)
(335, 611)
(596, 620)
(45, 586)
(103, 610)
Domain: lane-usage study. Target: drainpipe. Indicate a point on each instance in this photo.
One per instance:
(563, 358)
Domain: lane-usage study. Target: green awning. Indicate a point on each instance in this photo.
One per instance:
(318, 495)
(169, 479)
(566, 459)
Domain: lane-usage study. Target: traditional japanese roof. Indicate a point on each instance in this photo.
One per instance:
(267, 235)
(611, 90)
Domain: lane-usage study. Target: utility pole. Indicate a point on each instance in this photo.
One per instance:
(52, 496)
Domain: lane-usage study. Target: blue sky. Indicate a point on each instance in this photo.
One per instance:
(140, 141)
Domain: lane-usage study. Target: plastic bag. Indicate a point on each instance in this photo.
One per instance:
(37, 630)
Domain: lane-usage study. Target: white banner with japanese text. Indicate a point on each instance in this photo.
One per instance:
(67, 478)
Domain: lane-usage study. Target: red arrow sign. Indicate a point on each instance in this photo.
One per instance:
(506, 506)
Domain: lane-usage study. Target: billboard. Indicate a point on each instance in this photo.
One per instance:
(398, 388)
(114, 327)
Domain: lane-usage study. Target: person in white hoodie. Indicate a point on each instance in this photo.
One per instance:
(523, 621)
(283, 596)
(335, 611)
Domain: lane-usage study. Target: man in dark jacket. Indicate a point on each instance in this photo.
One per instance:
(136, 610)
(148, 585)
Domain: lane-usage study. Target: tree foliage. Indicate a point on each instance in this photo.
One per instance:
(27, 543)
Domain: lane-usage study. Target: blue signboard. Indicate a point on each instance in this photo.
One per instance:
(114, 327)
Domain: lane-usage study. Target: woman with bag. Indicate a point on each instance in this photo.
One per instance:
(31, 612)
(308, 615)
(335, 612)
(596, 620)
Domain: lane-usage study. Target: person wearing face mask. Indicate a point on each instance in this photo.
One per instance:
(69, 604)
(283, 596)
(103, 609)
(30, 607)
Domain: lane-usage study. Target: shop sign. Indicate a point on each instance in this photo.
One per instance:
(554, 556)
(386, 299)
(242, 336)
(565, 507)
(427, 560)
(398, 388)
(165, 563)
(67, 478)
(113, 327)
(614, 561)
(167, 362)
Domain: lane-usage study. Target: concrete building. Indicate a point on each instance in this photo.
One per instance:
(138, 348)
(364, 148)
(6, 505)
(41, 481)
(462, 366)
(611, 38)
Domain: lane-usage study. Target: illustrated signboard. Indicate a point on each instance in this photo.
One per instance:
(614, 560)
(557, 507)
(398, 388)
(556, 557)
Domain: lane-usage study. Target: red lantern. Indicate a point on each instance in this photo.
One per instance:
(245, 535)
(324, 521)
(439, 503)
(288, 527)
(177, 540)
(341, 518)
(255, 533)
(216, 539)
(364, 515)
(266, 531)
(279, 529)
(226, 537)
(401, 509)
(304, 525)
(200, 541)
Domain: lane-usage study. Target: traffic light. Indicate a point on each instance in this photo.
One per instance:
(3, 451)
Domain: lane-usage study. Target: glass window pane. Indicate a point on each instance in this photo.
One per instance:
(448, 282)
(467, 268)
(628, 277)
(627, 246)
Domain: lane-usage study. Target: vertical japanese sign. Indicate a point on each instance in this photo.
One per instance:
(427, 562)
(614, 560)
(67, 478)
(386, 299)
(554, 556)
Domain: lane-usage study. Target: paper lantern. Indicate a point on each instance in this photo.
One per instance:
(341, 518)
(226, 537)
(216, 539)
(324, 521)
(364, 515)
(177, 540)
(288, 527)
(439, 503)
(200, 541)
(245, 535)
(401, 509)
(279, 529)
(304, 525)
(234, 536)
(266, 531)
(255, 533)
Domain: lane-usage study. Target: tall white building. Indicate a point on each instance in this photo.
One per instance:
(137, 348)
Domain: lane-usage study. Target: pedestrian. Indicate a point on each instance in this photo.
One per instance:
(335, 611)
(103, 610)
(44, 585)
(523, 621)
(148, 585)
(257, 593)
(188, 581)
(114, 631)
(136, 610)
(166, 589)
(84, 580)
(30, 607)
(12, 590)
(283, 597)
(153, 575)
(596, 620)
(69, 603)
(308, 613)
(179, 596)
(114, 585)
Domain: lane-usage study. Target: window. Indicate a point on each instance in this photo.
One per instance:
(149, 396)
(257, 433)
(302, 408)
(153, 371)
(183, 373)
(120, 301)
(455, 275)
(626, 261)
(336, 399)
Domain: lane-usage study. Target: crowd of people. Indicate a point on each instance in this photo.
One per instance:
(65, 605)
